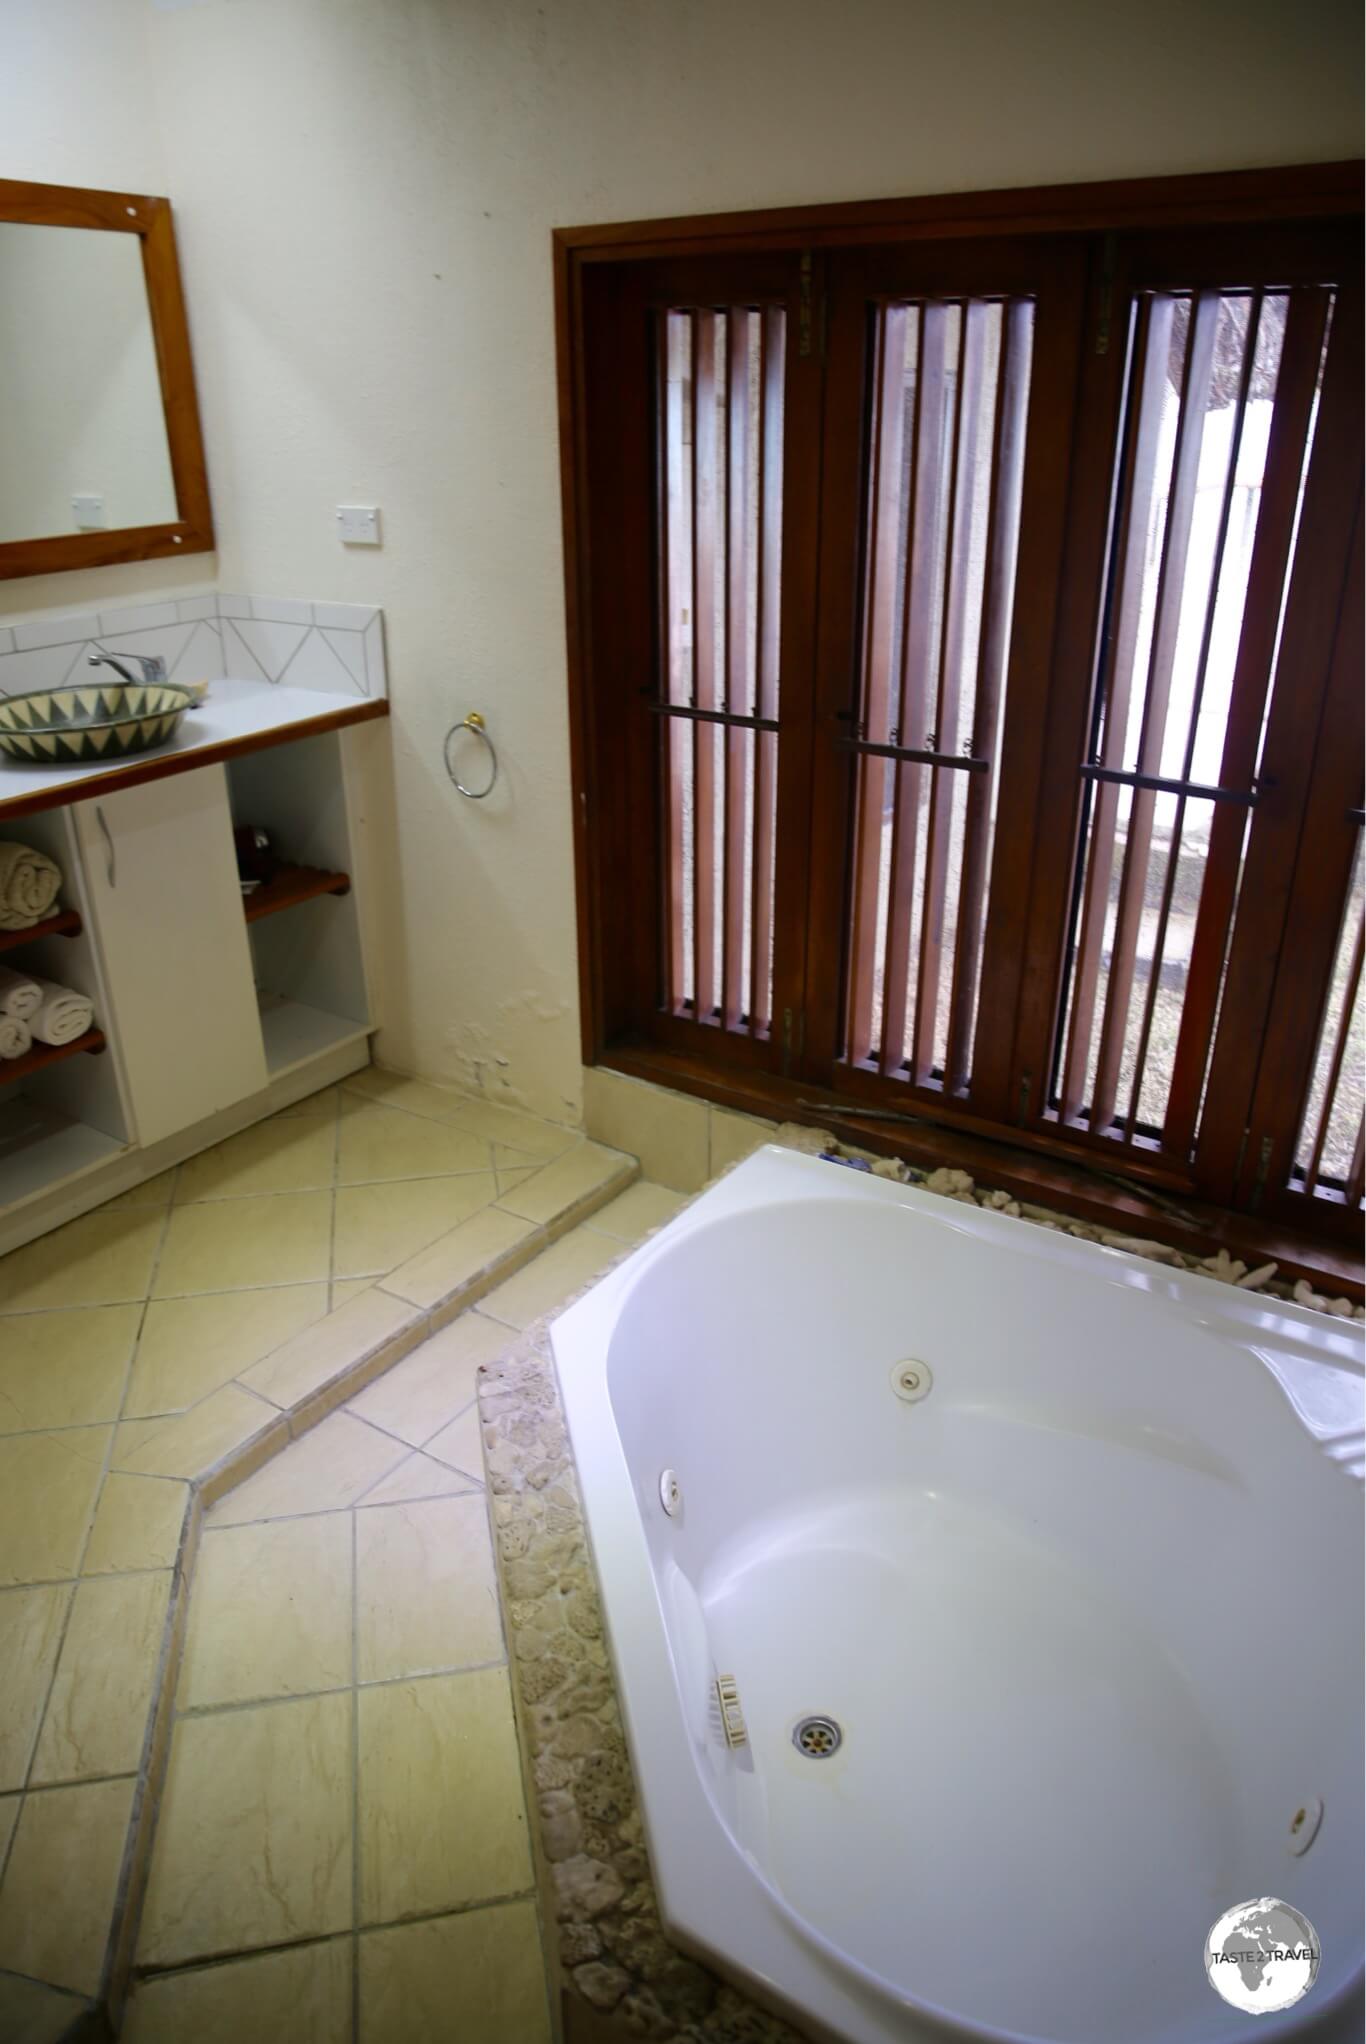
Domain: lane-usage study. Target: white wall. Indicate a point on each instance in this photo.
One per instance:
(365, 191)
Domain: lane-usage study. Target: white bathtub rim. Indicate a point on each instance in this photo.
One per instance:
(701, 1888)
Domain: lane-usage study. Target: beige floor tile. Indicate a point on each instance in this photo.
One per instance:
(195, 1440)
(418, 1477)
(510, 1176)
(639, 1210)
(10, 1807)
(48, 1484)
(465, 1253)
(459, 1445)
(344, 1290)
(270, 1612)
(479, 1975)
(276, 1239)
(301, 1995)
(414, 1096)
(253, 1842)
(521, 1131)
(64, 1369)
(58, 1893)
(346, 1338)
(322, 1106)
(273, 1156)
(441, 1816)
(572, 1178)
(96, 1261)
(31, 1624)
(428, 1388)
(734, 1136)
(191, 1346)
(138, 1523)
(380, 1226)
(97, 1715)
(380, 1142)
(550, 1278)
(425, 1592)
(667, 1131)
(31, 2014)
(331, 1466)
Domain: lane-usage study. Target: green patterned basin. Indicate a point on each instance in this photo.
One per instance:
(90, 720)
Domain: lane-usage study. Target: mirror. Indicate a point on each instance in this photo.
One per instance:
(100, 451)
(83, 443)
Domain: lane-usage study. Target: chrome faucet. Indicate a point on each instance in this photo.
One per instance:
(152, 665)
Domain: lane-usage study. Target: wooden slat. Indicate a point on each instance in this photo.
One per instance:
(1193, 721)
(672, 338)
(957, 595)
(1356, 1177)
(772, 335)
(1296, 382)
(880, 612)
(706, 682)
(738, 661)
(918, 669)
(1344, 1031)
(1116, 679)
(1170, 589)
(1003, 531)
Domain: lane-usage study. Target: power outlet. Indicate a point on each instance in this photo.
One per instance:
(358, 524)
(89, 513)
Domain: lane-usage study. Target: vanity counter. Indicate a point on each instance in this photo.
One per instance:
(237, 717)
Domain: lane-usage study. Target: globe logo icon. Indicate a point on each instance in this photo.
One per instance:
(1262, 1956)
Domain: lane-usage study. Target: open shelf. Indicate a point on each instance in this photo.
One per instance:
(293, 1032)
(40, 1147)
(66, 923)
(49, 1054)
(290, 886)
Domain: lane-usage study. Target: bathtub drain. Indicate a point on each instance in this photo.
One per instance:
(817, 1737)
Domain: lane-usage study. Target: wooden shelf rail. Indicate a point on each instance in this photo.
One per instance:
(290, 886)
(92, 1043)
(66, 923)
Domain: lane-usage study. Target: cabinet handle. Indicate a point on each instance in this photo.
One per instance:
(110, 863)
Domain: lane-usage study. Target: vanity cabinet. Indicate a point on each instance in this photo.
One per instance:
(212, 1009)
(161, 880)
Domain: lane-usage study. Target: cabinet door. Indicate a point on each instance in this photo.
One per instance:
(163, 890)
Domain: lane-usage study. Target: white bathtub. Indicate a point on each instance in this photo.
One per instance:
(1088, 1614)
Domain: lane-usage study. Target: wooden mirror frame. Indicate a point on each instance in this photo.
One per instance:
(37, 205)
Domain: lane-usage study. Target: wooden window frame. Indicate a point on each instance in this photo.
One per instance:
(614, 770)
(191, 531)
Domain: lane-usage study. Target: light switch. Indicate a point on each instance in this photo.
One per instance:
(89, 513)
(358, 524)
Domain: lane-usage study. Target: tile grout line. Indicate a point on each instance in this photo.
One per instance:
(120, 1938)
(332, 1226)
(355, 1779)
(239, 1704)
(27, 1785)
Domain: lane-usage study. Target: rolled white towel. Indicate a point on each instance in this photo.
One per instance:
(29, 886)
(19, 996)
(63, 1015)
(15, 1037)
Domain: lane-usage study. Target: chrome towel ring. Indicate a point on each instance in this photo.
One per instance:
(475, 723)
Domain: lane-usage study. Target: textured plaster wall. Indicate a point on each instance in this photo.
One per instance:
(365, 191)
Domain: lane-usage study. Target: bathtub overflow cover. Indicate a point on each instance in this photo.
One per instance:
(912, 1380)
(671, 1493)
